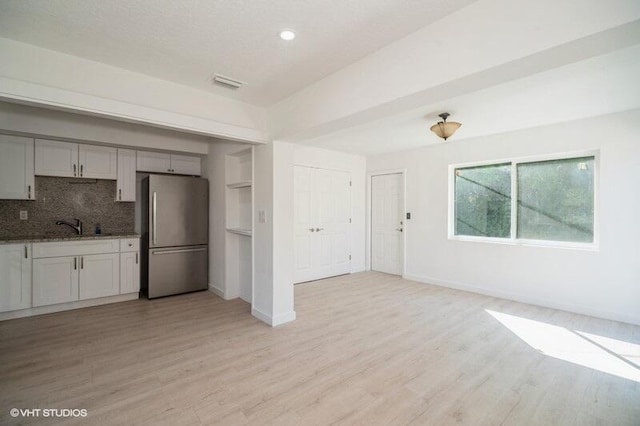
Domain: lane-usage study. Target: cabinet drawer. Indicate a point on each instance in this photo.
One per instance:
(129, 244)
(75, 248)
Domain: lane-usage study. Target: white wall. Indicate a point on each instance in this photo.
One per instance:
(273, 240)
(604, 283)
(356, 165)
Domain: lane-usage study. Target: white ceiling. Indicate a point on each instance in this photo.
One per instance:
(187, 41)
(589, 88)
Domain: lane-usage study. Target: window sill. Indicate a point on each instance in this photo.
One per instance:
(528, 243)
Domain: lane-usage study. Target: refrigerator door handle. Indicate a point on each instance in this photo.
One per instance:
(153, 217)
(179, 251)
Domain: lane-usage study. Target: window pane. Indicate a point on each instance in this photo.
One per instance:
(555, 200)
(483, 201)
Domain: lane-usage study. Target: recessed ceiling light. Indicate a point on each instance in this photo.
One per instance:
(287, 35)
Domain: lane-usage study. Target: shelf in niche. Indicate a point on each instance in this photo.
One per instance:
(241, 184)
(241, 231)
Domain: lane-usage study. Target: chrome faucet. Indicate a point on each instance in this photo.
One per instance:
(77, 226)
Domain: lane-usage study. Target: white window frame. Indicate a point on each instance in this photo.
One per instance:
(513, 240)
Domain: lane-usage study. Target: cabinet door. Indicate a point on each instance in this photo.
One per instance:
(55, 158)
(55, 280)
(15, 279)
(129, 272)
(16, 168)
(99, 275)
(185, 165)
(126, 175)
(153, 162)
(97, 162)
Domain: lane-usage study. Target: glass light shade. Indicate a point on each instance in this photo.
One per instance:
(445, 129)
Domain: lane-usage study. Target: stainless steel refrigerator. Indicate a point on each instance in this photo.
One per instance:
(175, 235)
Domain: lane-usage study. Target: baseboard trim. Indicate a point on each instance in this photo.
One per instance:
(283, 318)
(215, 290)
(273, 321)
(41, 310)
(578, 309)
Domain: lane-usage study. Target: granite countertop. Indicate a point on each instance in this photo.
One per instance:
(58, 238)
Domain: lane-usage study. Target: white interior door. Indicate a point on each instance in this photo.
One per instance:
(387, 223)
(322, 223)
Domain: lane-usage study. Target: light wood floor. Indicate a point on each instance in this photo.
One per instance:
(366, 349)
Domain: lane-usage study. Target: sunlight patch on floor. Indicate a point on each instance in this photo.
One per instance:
(600, 353)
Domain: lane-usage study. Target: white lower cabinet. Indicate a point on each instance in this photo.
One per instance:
(99, 275)
(55, 280)
(15, 277)
(129, 272)
(76, 270)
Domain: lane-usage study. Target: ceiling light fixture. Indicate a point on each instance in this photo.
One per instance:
(444, 128)
(287, 35)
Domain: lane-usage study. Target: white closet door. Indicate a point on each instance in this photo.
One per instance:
(387, 223)
(322, 223)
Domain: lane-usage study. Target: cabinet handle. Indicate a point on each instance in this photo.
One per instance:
(81, 262)
(29, 191)
(81, 169)
(136, 258)
(120, 194)
(75, 263)
(74, 170)
(26, 252)
(319, 229)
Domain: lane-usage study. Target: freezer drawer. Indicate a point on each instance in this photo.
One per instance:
(175, 270)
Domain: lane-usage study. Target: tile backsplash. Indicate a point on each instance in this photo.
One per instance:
(90, 200)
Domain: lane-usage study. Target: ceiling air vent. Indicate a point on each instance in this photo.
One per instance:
(227, 82)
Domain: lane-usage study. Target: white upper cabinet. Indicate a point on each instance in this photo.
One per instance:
(97, 162)
(185, 165)
(66, 159)
(54, 158)
(157, 162)
(126, 175)
(15, 280)
(17, 180)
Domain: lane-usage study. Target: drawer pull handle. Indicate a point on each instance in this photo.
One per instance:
(75, 263)
(26, 252)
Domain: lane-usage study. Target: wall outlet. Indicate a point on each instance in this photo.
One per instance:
(262, 216)
(24, 215)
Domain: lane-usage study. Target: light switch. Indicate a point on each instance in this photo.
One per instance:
(262, 216)
(24, 215)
